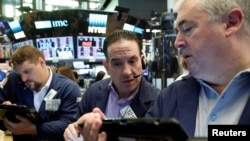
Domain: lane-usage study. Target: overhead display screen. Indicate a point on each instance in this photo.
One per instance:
(90, 47)
(59, 48)
(22, 43)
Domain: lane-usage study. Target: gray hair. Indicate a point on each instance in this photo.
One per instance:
(216, 9)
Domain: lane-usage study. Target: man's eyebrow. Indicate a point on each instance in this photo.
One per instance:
(179, 24)
(114, 59)
(133, 57)
(27, 69)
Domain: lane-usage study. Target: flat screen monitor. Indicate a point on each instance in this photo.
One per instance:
(90, 47)
(21, 43)
(43, 24)
(97, 23)
(16, 29)
(19, 35)
(15, 26)
(128, 27)
(138, 30)
(133, 28)
(56, 48)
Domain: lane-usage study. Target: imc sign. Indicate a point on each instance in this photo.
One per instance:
(51, 24)
(61, 23)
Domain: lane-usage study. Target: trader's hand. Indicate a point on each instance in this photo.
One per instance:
(89, 125)
(23, 127)
(5, 103)
(71, 133)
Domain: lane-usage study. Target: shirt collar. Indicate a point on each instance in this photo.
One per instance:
(50, 78)
(238, 77)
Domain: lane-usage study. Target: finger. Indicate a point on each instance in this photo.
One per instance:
(95, 128)
(71, 134)
(87, 123)
(89, 130)
(66, 134)
(102, 136)
(84, 123)
(8, 124)
(7, 103)
(98, 110)
(22, 119)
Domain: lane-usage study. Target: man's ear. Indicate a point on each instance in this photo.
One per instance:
(42, 61)
(234, 21)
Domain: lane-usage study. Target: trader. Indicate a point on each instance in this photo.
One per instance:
(126, 94)
(35, 85)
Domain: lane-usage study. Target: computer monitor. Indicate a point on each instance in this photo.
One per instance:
(21, 43)
(97, 23)
(16, 29)
(56, 48)
(90, 47)
(133, 28)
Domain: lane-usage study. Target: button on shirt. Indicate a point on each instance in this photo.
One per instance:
(225, 108)
(115, 104)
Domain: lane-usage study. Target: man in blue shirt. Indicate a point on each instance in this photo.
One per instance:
(35, 85)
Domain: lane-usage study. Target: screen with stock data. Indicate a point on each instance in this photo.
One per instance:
(56, 48)
(90, 47)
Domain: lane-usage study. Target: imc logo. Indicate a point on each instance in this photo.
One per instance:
(60, 23)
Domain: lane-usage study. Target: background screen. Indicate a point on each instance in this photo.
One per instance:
(90, 47)
(22, 43)
(56, 48)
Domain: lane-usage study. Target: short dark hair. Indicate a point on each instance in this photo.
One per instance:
(118, 35)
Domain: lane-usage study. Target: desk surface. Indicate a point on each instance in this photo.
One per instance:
(8, 138)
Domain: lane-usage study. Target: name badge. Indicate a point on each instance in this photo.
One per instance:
(52, 105)
(127, 112)
(50, 95)
(78, 99)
